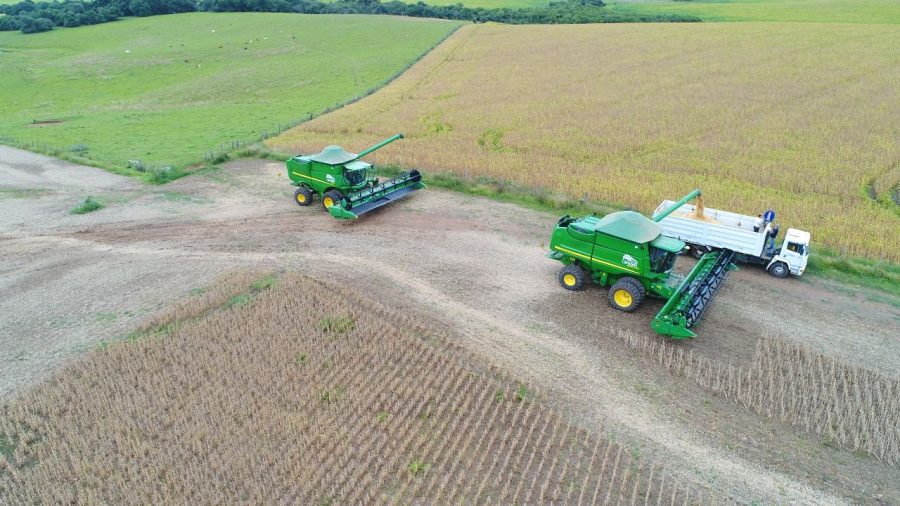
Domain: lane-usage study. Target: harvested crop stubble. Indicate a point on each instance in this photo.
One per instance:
(799, 118)
(305, 393)
(856, 408)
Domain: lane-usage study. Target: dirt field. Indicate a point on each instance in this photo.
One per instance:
(470, 267)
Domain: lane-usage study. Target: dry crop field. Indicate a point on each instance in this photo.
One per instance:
(263, 390)
(846, 405)
(802, 118)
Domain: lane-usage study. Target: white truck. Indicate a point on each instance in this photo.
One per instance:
(715, 229)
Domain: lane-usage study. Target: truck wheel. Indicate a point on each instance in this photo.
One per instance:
(779, 270)
(331, 198)
(572, 277)
(626, 295)
(303, 196)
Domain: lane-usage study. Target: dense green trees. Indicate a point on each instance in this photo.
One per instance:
(31, 17)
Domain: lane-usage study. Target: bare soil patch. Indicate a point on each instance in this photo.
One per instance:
(470, 267)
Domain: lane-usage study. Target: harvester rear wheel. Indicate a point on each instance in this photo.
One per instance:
(303, 196)
(572, 277)
(331, 198)
(626, 295)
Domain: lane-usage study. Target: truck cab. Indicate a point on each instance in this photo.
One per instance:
(792, 256)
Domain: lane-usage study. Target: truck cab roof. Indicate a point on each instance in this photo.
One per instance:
(798, 236)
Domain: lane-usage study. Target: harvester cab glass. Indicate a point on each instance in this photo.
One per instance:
(661, 260)
(356, 172)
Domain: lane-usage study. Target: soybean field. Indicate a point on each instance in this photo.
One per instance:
(801, 118)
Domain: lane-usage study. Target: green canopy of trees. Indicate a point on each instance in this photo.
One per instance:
(32, 17)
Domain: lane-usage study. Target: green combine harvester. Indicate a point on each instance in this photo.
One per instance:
(346, 184)
(626, 251)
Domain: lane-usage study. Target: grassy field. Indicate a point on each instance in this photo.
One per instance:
(260, 389)
(167, 90)
(801, 118)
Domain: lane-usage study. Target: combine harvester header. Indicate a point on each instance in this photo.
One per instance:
(347, 185)
(628, 252)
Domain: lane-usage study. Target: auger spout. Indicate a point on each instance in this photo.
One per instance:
(687, 198)
(378, 146)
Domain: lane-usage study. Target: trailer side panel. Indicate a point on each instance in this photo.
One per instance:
(723, 230)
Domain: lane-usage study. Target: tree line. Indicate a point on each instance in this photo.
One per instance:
(32, 17)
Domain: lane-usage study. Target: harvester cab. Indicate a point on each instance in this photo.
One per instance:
(626, 251)
(347, 185)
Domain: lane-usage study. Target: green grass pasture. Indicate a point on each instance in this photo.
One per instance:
(168, 90)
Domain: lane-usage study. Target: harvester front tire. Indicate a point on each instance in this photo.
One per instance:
(331, 198)
(779, 270)
(626, 295)
(303, 196)
(572, 277)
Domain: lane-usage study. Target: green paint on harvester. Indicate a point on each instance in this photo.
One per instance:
(626, 251)
(346, 184)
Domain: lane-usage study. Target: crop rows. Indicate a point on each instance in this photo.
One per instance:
(854, 407)
(782, 116)
(302, 392)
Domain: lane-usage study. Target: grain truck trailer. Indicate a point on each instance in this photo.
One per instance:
(704, 229)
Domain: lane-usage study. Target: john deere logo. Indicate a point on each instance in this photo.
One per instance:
(629, 261)
(329, 178)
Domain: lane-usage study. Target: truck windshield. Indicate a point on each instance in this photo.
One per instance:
(661, 260)
(797, 248)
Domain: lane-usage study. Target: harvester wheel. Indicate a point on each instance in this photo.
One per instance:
(303, 196)
(572, 277)
(331, 198)
(627, 294)
(779, 270)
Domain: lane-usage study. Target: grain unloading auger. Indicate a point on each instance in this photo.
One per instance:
(626, 251)
(345, 183)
